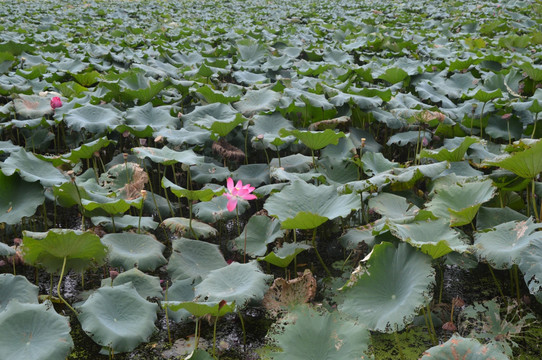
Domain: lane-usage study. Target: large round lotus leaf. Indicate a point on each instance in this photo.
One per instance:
(32, 106)
(207, 172)
(93, 118)
(253, 174)
(458, 347)
(305, 206)
(434, 238)
(18, 198)
(236, 282)
(130, 250)
(489, 217)
(81, 249)
(191, 135)
(118, 317)
(166, 156)
(390, 288)
(146, 285)
(182, 226)
(200, 309)
(142, 121)
(258, 233)
(217, 118)
(315, 140)
(216, 209)
(181, 291)
(460, 202)
(193, 258)
(17, 288)
(33, 331)
(32, 169)
(265, 131)
(505, 244)
(309, 334)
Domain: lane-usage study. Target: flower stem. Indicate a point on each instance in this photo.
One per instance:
(318, 254)
(58, 287)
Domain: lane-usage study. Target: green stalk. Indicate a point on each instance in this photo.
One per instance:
(190, 219)
(496, 282)
(243, 327)
(433, 332)
(481, 121)
(167, 317)
(318, 254)
(533, 198)
(58, 287)
(214, 337)
(237, 217)
(196, 341)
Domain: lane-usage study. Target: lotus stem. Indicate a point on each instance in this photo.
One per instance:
(318, 254)
(516, 280)
(496, 282)
(190, 220)
(278, 154)
(196, 341)
(237, 218)
(533, 198)
(246, 148)
(295, 257)
(175, 181)
(58, 287)
(214, 337)
(80, 204)
(534, 127)
(441, 272)
(481, 121)
(167, 316)
(243, 328)
(432, 329)
(245, 248)
(113, 223)
(83, 280)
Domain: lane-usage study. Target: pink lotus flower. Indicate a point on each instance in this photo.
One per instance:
(56, 102)
(239, 191)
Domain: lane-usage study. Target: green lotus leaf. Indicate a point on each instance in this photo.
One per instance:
(253, 174)
(357, 238)
(86, 151)
(130, 250)
(216, 209)
(394, 75)
(394, 207)
(142, 121)
(6, 250)
(49, 249)
(93, 118)
(125, 180)
(199, 354)
(258, 233)
(205, 173)
(190, 134)
(193, 258)
(257, 101)
(305, 206)
(283, 256)
(192, 195)
(265, 131)
(126, 222)
(17, 287)
(527, 163)
(166, 156)
(464, 348)
(134, 86)
(180, 291)
(531, 267)
(505, 244)
(32, 106)
(218, 118)
(296, 163)
(87, 78)
(239, 283)
(314, 140)
(375, 162)
(18, 198)
(147, 286)
(34, 331)
(434, 238)
(118, 317)
(109, 205)
(213, 96)
(490, 217)
(200, 309)
(459, 203)
(305, 333)
(485, 96)
(249, 78)
(390, 288)
(452, 151)
(32, 169)
(181, 226)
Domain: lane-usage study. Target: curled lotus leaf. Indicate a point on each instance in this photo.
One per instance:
(147, 286)
(34, 331)
(18, 198)
(118, 317)
(193, 258)
(32, 169)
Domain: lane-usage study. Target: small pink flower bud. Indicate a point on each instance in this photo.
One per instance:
(56, 102)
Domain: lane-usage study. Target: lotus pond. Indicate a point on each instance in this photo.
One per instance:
(270, 179)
